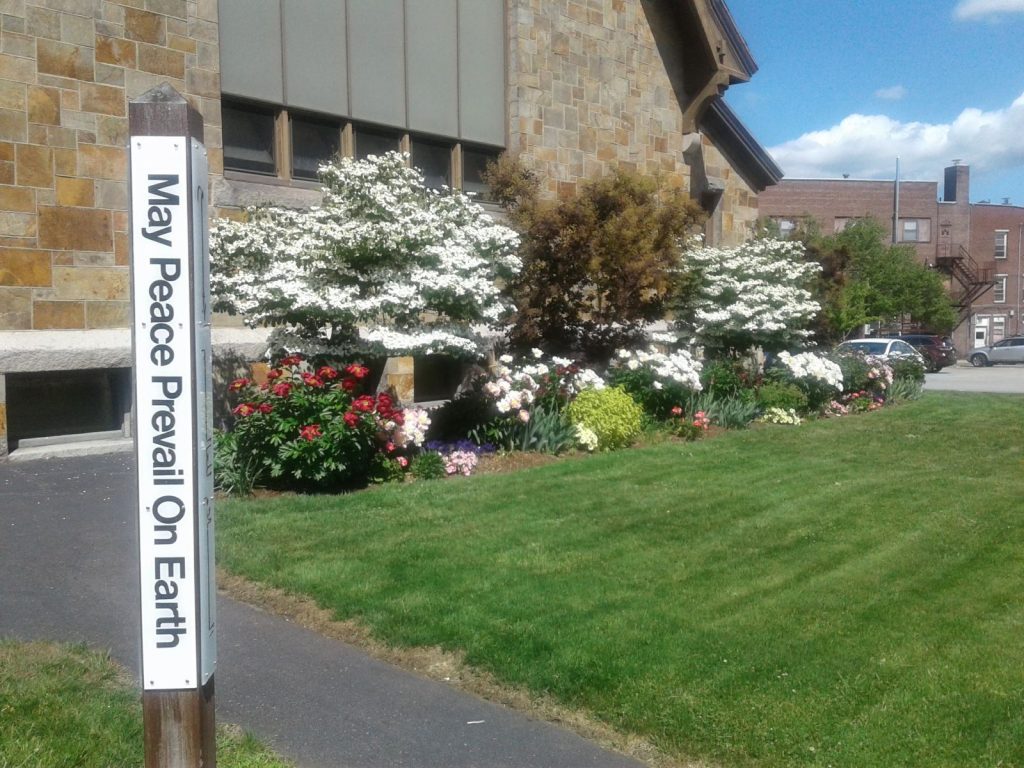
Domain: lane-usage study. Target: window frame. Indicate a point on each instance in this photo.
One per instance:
(999, 288)
(1005, 244)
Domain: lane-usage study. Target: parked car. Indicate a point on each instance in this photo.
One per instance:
(885, 349)
(1009, 350)
(938, 351)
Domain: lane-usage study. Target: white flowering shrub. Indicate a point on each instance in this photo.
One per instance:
(658, 381)
(753, 295)
(382, 266)
(780, 416)
(817, 377)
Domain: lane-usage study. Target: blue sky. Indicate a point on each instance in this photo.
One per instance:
(845, 86)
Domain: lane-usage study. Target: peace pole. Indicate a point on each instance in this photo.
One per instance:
(173, 428)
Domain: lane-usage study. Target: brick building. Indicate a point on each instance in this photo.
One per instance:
(976, 245)
(575, 87)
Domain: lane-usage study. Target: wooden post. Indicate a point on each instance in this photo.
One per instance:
(173, 428)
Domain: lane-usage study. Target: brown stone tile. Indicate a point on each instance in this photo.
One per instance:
(6, 172)
(12, 96)
(34, 166)
(15, 309)
(70, 99)
(161, 61)
(17, 69)
(61, 138)
(6, 150)
(75, 229)
(144, 26)
(202, 82)
(25, 267)
(36, 134)
(20, 225)
(43, 105)
(112, 195)
(104, 99)
(176, 8)
(137, 83)
(65, 162)
(120, 221)
(103, 162)
(79, 193)
(58, 315)
(17, 199)
(122, 254)
(116, 51)
(108, 314)
(183, 44)
(94, 259)
(63, 60)
(91, 283)
(63, 258)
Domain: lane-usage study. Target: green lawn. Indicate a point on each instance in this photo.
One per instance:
(69, 707)
(846, 593)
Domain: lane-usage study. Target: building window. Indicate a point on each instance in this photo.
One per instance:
(313, 142)
(434, 161)
(1001, 237)
(249, 139)
(373, 142)
(999, 290)
(998, 328)
(474, 166)
(915, 230)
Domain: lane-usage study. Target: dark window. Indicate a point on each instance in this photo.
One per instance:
(374, 143)
(434, 161)
(248, 139)
(313, 142)
(474, 163)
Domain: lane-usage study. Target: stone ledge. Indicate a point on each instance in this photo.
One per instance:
(32, 351)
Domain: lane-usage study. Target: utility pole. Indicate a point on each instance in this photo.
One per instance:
(173, 428)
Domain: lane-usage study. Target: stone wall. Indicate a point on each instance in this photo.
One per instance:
(68, 69)
(589, 91)
(736, 214)
(67, 72)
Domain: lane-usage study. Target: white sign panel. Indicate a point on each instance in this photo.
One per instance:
(173, 433)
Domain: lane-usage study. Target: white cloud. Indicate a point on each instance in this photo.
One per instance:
(866, 146)
(892, 93)
(974, 9)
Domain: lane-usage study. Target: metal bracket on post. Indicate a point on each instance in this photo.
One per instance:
(173, 428)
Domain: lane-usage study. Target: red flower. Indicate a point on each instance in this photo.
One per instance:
(273, 373)
(238, 384)
(357, 370)
(291, 360)
(352, 419)
(363, 403)
(398, 417)
(310, 432)
(349, 385)
(312, 380)
(245, 409)
(282, 389)
(327, 373)
(265, 408)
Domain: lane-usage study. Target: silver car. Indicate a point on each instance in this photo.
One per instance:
(885, 349)
(1009, 350)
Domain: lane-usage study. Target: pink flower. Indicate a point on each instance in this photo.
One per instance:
(676, 410)
(310, 432)
(265, 408)
(524, 416)
(402, 462)
(390, 447)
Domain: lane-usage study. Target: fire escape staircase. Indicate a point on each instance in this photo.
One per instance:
(973, 281)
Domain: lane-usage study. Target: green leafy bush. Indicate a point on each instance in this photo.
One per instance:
(907, 368)
(779, 394)
(610, 413)
(726, 378)
(428, 465)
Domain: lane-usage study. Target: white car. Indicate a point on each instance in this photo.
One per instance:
(885, 349)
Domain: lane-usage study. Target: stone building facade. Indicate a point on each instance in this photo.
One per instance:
(575, 87)
(976, 245)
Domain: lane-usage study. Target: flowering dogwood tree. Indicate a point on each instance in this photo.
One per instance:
(753, 295)
(383, 265)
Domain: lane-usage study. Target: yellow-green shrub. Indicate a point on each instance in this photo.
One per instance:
(611, 413)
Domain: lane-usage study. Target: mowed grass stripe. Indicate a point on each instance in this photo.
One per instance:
(845, 592)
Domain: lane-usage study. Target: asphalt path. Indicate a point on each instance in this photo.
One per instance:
(999, 379)
(68, 572)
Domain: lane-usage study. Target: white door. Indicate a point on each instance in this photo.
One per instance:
(981, 333)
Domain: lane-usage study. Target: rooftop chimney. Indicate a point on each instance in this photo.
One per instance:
(957, 183)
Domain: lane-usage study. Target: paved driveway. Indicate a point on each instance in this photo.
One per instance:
(1000, 379)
